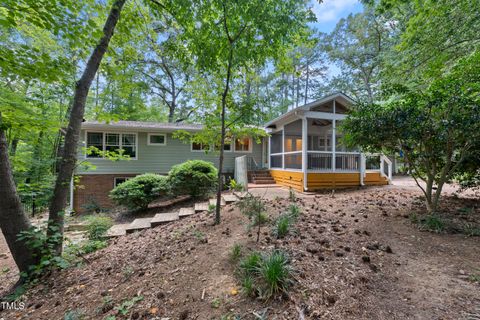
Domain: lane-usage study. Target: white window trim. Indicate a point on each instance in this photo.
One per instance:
(104, 134)
(250, 146)
(157, 134)
(115, 180)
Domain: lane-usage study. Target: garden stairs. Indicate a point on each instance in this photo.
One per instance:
(162, 218)
(260, 177)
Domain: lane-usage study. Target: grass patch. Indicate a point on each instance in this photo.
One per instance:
(282, 226)
(432, 222)
(265, 274)
(236, 252)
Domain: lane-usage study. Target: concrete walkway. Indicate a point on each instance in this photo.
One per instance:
(166, 217)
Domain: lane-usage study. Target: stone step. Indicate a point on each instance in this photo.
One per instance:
(229, 198)
(185, 212)
(201, 206)
(117, 230)
(161, 218)
(214, 201)
(264, 181)
(139, 224)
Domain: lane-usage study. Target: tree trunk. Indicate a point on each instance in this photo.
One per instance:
(307, 83)
(222, 140)
(13, 219)
(13, 147)
(69, 156)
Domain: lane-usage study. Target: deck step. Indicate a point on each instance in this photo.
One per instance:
(213, 202)
(117, 230)
(202, 206)
(229, 198)
(185, 212)
(161, 218)
(139, 224)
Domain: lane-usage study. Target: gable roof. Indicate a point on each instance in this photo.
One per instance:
(338, 96)
(140, 126)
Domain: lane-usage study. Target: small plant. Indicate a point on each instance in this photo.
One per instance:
(275, 274)
(291, 195)
(93, 245)
(254, 208)
(248, 286)
(282, 226)
(128, 272)
(432, 222)
(266, 274)
(294, 211)
(216, 303)
(234, 186)
(250, 263)
(236, 252)
(74, 315)
(138, 192)
(471, 230)
(127, 305)
(97, 226)
(92, 205)
(211, 208)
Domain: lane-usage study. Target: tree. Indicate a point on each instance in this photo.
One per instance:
(225, 36)
(69, 156)
(436, 128)
(356, 45)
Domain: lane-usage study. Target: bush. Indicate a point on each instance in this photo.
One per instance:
(194, 177)
(254, 208)
(97, 226)
(138, 192)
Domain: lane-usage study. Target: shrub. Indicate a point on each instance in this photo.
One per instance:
(138, 192)
(97, 226)
(282, 226)
(194, 177)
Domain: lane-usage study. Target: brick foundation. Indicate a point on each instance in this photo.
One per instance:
(94, 188)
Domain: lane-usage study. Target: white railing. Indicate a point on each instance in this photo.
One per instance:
(347, 161)
(318, 160)
(384, 160)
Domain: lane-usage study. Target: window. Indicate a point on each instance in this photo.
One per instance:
(119, 180)
(95, 140)
(111, 142)
(324, 144)
(226, 147)
(199, 146)
(243, 145)
(155, 139)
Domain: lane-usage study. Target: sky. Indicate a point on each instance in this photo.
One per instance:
(329, 12)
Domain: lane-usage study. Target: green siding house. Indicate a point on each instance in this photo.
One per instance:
(151, 147)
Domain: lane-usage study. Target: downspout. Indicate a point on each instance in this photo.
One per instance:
(70, 207)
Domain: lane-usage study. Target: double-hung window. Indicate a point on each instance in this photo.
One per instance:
(243, 145)
(100, 142)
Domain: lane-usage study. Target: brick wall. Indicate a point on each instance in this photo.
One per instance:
(94, 188)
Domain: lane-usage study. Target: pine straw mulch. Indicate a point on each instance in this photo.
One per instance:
(356, 256)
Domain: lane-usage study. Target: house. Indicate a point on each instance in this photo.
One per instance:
(303, 151)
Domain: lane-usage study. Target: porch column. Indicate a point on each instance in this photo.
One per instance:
(334, 144)
(304, 152)
(269, 151)
(362, 168)
(283, 148)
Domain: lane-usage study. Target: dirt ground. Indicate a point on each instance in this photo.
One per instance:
(356, 255)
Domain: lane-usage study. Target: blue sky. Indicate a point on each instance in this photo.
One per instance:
(329, 12)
